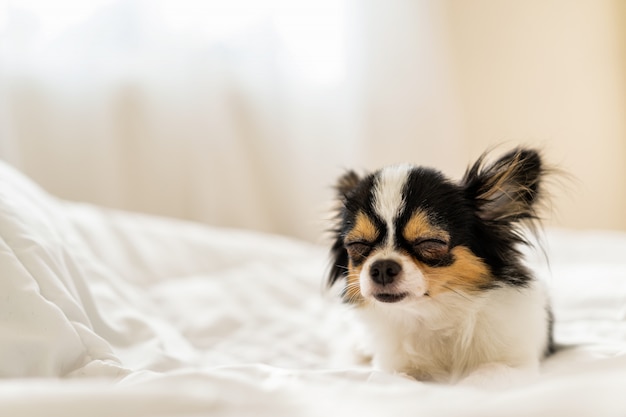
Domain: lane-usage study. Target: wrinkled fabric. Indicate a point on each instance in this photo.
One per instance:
(111, 313)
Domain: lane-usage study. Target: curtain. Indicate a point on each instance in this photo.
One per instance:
(242, 113)
(237, 113)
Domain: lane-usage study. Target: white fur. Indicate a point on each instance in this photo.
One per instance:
(388, 196)
(452, 337)
(410, 281)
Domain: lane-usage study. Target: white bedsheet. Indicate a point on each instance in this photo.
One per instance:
(108, 313)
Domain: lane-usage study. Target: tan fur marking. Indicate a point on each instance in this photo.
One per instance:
(420, 227)
(363, 230)
(352, 293)
(467, 274)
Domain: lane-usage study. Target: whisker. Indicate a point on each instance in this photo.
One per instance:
(460, 294)
(342, 267)
(352, 291)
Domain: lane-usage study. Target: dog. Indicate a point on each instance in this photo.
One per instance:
(434, 268)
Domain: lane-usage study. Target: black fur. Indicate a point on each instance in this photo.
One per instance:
(354, 195)
(484, 211)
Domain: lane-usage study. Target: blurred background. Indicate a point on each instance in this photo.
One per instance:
(242, 113)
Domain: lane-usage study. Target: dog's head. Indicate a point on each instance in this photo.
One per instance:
(407, 233)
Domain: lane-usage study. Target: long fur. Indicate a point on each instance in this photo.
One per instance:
(457, 299)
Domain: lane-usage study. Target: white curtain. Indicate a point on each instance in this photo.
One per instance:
(237, 113)
(243, 112)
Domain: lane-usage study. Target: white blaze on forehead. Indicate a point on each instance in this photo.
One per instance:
(388, 196)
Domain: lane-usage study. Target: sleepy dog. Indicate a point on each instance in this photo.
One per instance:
(434, 272)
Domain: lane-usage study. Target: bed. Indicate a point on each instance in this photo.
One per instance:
(112, 313)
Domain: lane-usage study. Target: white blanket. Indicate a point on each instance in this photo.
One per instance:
(108, 313)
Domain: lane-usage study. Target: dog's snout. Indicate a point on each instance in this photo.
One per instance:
(385, 271)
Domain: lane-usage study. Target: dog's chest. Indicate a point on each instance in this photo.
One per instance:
(441, 354)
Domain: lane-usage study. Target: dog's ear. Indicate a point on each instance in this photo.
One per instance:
(506, 190)
(345, 186)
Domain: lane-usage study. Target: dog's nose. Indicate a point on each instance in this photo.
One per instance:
(384, 271)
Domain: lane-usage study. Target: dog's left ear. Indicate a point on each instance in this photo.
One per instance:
(345, 186)
(507, 190)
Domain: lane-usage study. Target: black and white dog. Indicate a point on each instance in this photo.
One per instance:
(434, 270)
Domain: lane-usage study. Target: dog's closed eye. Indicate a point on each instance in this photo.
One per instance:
(358, 250)
(432, 250)
(431, 247)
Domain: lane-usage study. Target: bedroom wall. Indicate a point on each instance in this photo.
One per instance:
(195, 110)
(551, 73)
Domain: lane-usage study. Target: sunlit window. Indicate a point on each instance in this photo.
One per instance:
(305, 38)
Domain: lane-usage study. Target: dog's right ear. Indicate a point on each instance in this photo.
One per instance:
(346, 184)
